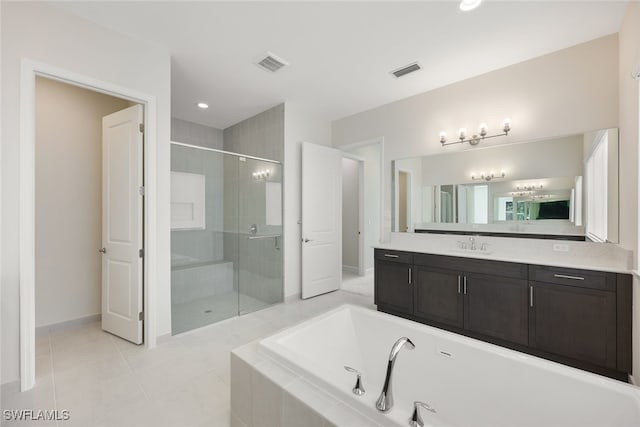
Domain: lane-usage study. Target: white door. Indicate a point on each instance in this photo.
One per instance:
(321, 219)
(122, 144)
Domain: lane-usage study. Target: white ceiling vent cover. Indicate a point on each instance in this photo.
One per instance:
(403, 71)
(271, 62)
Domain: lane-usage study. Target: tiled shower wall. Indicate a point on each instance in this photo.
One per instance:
(202, 245)
(260, 260)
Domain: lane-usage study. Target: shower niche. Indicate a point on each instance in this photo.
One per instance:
(226, 235)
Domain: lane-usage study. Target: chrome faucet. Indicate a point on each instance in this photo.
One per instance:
(473, 243)
(385, 401)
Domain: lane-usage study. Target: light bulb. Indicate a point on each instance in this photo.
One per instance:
(483, 129)
(506, 125)
(202, 105)
(462, 133)
(467, 5)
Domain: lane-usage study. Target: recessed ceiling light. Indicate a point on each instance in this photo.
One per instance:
(202, 105)
(467, 5)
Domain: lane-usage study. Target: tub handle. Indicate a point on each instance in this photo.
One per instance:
(416, 419)
(358, 389)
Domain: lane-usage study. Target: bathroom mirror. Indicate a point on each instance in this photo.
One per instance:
(560, 188)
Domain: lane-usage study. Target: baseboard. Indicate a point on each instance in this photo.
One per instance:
(43, 330)
(10, 387)
(350, 269)
(161, 339)
(292, 298)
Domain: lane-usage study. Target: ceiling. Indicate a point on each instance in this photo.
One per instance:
(340, 53)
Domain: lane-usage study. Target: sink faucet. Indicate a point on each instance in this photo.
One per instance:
(385, 401)
(473, 243)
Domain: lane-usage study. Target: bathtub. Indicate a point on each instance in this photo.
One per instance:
(467, 382)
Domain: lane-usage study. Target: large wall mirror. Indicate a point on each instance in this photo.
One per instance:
(561, 188)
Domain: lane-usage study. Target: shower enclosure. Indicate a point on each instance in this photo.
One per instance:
(226, 235)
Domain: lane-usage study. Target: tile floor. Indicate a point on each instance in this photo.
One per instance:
(106, 381)
(362, 285)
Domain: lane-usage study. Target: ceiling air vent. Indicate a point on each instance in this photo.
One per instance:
(406, 70)
(271, 62)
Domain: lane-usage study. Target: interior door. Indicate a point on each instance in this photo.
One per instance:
(321, 219)
(122, 155)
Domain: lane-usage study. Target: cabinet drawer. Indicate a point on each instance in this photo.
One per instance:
(473, 265)
(394, 256)
(573, 277)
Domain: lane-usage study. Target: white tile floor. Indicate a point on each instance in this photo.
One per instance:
(362, 285)
(106, 381)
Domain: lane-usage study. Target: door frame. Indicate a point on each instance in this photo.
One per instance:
(29, 71)
(362, 269)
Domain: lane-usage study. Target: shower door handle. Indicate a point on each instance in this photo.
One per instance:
(266, 236)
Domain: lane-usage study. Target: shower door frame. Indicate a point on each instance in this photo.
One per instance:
(246, 156)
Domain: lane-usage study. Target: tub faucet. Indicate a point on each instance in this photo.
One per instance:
(385, 401)
(473, 243)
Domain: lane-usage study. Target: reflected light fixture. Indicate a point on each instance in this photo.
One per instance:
(468, 5)
(488, 177)
(259, 175)
(202, 105)
(476, 138)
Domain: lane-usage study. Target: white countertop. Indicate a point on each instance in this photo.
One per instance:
(583, 255)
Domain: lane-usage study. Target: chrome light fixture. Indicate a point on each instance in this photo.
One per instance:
(476, 138)
(488, 177)
(261, 175)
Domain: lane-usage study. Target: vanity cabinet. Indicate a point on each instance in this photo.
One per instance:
(393, 280)
(578, 317)
(573, 313)
(480, 296)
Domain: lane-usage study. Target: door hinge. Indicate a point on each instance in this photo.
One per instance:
(141, 127)
(141, 190)
(141, 316)
(141, 253)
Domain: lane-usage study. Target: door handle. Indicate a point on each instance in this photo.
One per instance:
(464, 284)
(103, 250)
(308, 240)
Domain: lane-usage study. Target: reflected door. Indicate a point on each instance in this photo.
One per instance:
(260, 234)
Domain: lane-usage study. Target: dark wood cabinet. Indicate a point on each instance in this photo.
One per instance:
(393, 288)
(438, 295)
(578, 317)
(574, 322)
(497, 307)
(573, 313)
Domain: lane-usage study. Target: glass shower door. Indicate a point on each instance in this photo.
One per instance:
(260, 234)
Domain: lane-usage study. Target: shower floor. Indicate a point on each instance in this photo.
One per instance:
(204, 311)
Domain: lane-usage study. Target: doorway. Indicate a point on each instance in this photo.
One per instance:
(79, 206)
(353, 214)
(29, 72)
(405, 223)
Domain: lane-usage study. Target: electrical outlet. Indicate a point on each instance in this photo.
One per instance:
(561, 247)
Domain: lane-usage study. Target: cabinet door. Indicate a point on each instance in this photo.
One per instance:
(496, 306)
(393, 288)
(438, 295)
(575, 322)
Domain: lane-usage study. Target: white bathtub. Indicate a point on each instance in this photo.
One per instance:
(468, 382)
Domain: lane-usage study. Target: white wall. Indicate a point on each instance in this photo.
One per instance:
(300, 124)
(629, 140)
(46, 34)
(350, 214)
(69, 199)
(371, 156)
(564, 93)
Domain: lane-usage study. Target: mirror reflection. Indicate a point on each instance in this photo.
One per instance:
(564, 188)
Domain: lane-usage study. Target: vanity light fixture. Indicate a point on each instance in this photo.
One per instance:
(488, 177)
(476, 138)
(529, 187)
(259, 175)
